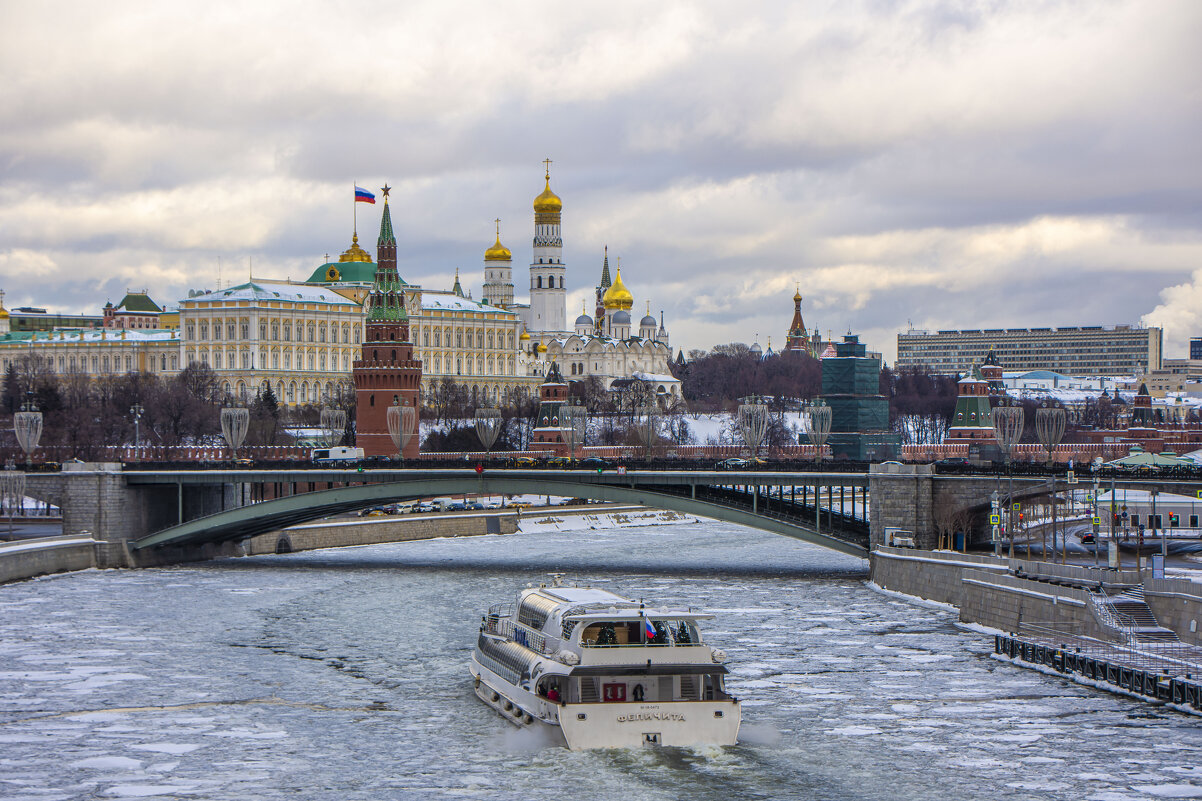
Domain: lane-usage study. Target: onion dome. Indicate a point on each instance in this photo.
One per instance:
(498, 252)
(584, 319)
(548, 202)
(755, 349)
(618, 296)
(542, 348)
(621, 317)
(525, 337)
(797, 295)
(3, 313)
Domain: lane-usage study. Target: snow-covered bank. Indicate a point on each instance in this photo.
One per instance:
(541, 520)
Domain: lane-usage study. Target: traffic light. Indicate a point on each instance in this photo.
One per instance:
(1174, 520)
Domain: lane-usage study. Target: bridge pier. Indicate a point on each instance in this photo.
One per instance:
(96, 500)
(902, 498)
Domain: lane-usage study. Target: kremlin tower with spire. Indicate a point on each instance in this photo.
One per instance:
(386, 373)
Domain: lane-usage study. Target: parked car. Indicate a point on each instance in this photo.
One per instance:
(375, 511)
(457, 506)
(424, 506)
(594, 463)
(474, 505)
(559, 461)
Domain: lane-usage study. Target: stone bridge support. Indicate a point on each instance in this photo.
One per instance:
(910, 496)
(96, 500)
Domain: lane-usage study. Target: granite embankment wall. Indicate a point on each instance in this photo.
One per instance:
(1005, 593)
(375, 530)
(1177, 606)
(23, 560)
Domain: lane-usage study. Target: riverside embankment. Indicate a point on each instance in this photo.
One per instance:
(1120, 629)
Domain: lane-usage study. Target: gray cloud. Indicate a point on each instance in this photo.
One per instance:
(902, 160)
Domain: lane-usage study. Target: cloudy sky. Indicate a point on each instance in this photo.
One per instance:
(941, 164)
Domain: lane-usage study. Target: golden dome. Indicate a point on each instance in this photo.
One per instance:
(548, 202)
(797, 294)
(525, 337)
(618, 296)
(3, 313)
(542, 348)
(354, 252)
(498, 252)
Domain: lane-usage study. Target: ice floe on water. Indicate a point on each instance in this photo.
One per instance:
(342, 674)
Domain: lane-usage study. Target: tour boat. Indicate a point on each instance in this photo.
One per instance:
(597, 670)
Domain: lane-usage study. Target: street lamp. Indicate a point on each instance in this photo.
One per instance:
(488, 426)
(1008, 428)
(137, 410)
(235, 421)
(401, 422)
(27, 425)
(333, 424)
(12, 492)
(817, 422)
(573, 421)
(753, 423)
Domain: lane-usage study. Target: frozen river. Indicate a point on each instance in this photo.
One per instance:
(343, 675)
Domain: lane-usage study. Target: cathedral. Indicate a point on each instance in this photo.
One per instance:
(605, 345)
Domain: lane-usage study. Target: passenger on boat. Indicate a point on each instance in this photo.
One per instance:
(553, 695)
(638, 692)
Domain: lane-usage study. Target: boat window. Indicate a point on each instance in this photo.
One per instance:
(630, 632)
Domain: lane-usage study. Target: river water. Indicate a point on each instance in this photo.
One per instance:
(342, 675)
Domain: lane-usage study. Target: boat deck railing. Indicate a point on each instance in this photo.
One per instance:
(518, 632)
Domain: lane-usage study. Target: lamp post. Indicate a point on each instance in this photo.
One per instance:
(488, 426)
(753, 423)
(817, 422)
(573, 421)
(333, 424)
(1008, 428)
(401, 420)
(27, 425)
(137, 410)
(235, 420)
(12, 492)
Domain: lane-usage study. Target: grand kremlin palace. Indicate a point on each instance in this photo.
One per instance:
(302, 337)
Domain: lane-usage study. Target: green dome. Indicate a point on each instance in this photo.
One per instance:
(345, 272)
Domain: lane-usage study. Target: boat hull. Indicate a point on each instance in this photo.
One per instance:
(632, 725)
(611, 725)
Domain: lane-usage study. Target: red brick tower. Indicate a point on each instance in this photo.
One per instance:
(386, 371)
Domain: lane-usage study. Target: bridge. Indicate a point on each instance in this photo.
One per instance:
(154, 516)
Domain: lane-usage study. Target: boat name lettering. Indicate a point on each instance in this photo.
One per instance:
(636, 717)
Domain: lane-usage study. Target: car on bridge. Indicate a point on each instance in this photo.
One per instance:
(560, 461)
(736, 463)
(594, 463)
(521, 461)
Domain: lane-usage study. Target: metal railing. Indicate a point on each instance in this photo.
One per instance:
(1172, 658)
(518, 632)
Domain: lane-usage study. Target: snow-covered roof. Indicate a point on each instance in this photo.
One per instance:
(303, 293)
(448, 301)
(89, 335)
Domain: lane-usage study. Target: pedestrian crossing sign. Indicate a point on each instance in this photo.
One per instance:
(1097, 521)
(995, 520)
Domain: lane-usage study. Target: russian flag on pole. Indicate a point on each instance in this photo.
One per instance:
(648, 628)
(363, 196)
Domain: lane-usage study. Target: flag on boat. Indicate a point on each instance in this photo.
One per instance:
(363, 196)
(648, 627)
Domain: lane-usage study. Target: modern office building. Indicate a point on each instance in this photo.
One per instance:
(1088, 350)
(1195, 348)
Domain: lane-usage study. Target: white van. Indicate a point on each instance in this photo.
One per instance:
(339, 453)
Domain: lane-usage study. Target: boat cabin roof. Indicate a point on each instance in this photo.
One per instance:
(635, 614)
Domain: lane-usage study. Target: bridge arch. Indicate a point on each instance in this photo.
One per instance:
(268, 516)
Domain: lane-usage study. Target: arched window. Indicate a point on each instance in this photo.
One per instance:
(262, 330)
(346, 335)
(539, 281)
(426, 338)
(479, 339)
(275, 330)
(511, 339)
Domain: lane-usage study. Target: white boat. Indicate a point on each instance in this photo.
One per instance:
(597, 670)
